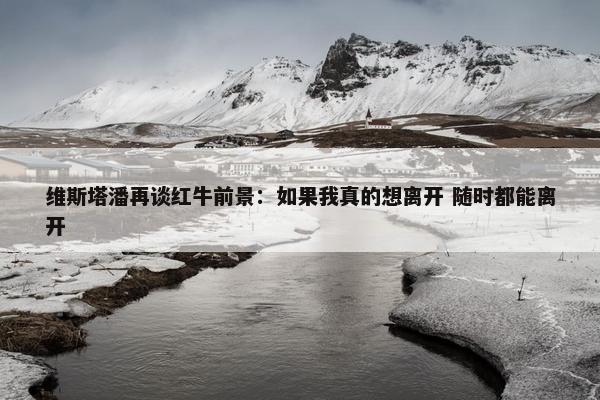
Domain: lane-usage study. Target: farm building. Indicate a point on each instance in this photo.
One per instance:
(89, 168)
(32, 167)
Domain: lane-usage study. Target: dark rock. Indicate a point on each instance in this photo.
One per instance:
(247, 97)
(411, 65)
(449, 48)
(340, 64)
(405, 49)
(363, 45)
(237, 88)
(477, 67)
(479, 45)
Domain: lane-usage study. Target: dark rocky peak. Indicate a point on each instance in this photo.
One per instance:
(480, 59)
(339, 65)
(468, 38)
(449, 48)
(340, 62)
(360, 40)
(484, 63)
(405, 49)
(545, 51)
(467, 41)
(363, 45)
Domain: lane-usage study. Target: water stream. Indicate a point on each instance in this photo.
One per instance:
(281, 325)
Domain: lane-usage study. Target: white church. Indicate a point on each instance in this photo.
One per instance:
(371, 123)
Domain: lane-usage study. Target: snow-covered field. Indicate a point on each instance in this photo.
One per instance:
(453, 133)
(53, 283)
(51, 279)
(480, 228)
(546, 345)
(19, 373)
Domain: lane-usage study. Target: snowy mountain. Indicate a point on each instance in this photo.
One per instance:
(268, 96)
(533, 83)
(119, 101)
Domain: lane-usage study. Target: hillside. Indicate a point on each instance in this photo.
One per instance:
(531, 84)
(417, 130)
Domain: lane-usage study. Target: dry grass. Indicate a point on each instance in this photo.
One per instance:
(42, 334)
(39, 334)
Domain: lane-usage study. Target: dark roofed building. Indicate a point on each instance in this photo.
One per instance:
(31, 166)
(380, 122)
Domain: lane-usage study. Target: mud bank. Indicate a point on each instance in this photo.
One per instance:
(46, 334)
(544, 346)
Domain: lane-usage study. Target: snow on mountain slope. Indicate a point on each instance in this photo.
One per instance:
(265, 97)
(119, 102)
(534, 83)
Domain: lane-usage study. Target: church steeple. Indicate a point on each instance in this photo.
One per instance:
(382, 123)
(368, 119)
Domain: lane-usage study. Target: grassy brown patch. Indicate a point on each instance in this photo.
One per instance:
(42, 334)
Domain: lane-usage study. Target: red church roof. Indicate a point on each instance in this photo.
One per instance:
(380, 122)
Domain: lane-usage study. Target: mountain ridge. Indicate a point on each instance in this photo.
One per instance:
(535, 83)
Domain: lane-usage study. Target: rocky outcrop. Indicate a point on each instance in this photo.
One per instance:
(341, 71)
(339, 65)
(247, 97)
(237, 88)
(244, 95)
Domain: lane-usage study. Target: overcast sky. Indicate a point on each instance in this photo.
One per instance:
(50, 49)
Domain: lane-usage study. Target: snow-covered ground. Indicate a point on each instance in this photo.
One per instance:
(19, 373)
(546, 345)
(52, 279)
(480, 228)
(53, 283)
(453, 133)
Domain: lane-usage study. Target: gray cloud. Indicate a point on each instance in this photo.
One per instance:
(426, 3)
(52, 49)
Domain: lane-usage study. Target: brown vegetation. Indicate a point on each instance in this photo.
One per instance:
(43, 334)
(390, 138)
(39, 334)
